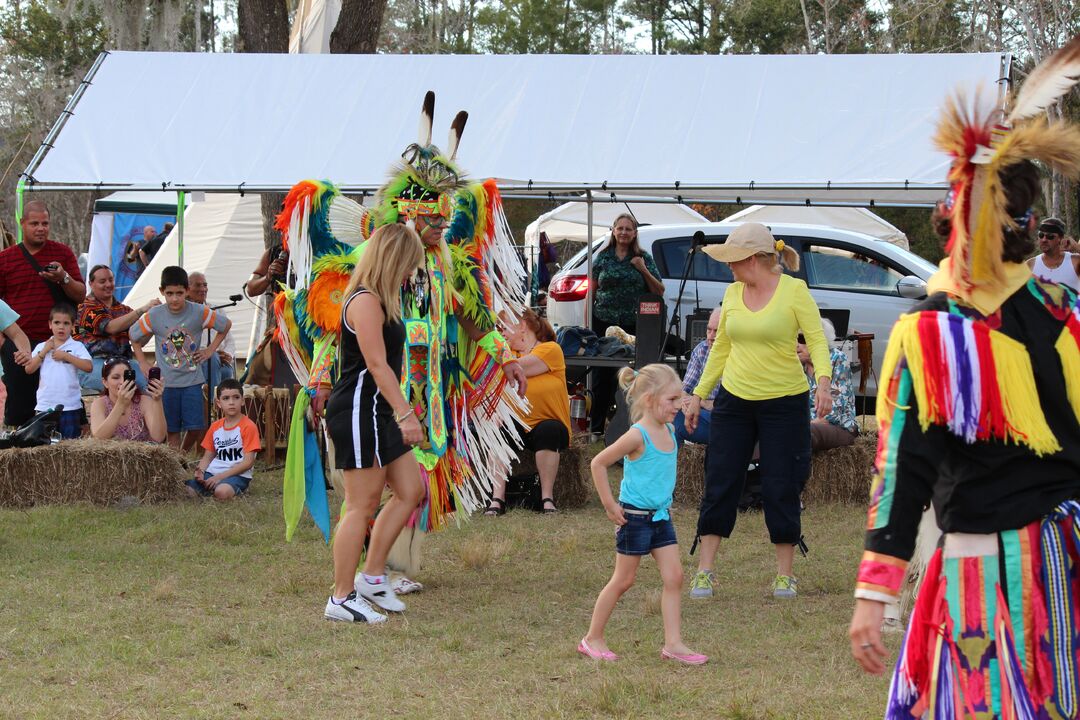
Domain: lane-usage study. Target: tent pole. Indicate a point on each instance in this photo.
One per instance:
(180, 197)
(588, 260)
(69, 110)
(20, 191)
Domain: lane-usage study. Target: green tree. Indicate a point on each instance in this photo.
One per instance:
(46, 47)
(531, 26)
(928, 26)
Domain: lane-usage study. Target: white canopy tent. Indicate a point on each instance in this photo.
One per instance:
(100, 249)
(224, 241)
(849, 218)
(839, 129)
(570, 220)
(791, 129)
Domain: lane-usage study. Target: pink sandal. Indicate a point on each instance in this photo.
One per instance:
(687, 659)
(584, 649)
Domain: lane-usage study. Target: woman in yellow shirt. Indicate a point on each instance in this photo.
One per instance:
(546, 429)
(762, 399)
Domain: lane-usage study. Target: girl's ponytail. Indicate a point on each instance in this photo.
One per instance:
(650, 380)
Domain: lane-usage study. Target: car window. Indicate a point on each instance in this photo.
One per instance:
(838, 268)
(670, 256)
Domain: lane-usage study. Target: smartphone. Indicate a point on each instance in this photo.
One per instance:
(154, 374)
(52, 267)
(129, 375)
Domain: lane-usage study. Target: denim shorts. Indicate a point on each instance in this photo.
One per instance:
(641, 534)
(184, 408)
(239, 485)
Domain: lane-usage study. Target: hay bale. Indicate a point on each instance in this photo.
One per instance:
(843, 475)
(690, 475)
(101, 472)
(573, 483)
(836, 476)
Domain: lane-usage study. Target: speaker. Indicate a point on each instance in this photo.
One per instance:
(651, 329)
(697, 323)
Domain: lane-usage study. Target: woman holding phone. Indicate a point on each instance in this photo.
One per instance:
(122, 411)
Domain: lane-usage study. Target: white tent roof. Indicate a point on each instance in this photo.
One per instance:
(570, 221)
(849, 218)
(223, 239)
(837, 128)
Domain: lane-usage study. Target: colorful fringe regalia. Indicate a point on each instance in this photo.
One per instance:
(456, 385)
(981, 392)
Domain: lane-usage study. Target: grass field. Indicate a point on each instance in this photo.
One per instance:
(201, 610)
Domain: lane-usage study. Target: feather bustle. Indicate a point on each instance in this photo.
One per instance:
(1053, 77)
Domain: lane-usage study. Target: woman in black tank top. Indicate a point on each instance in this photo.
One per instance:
(372, 426)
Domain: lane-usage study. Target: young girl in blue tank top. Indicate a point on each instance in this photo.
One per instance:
(641, 513)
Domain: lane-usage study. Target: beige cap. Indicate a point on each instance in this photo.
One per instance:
(746, 240)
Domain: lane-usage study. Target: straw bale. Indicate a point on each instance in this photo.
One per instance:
(573, 483)
(101, 472)
(839, 476)
(690, 475)
(843, 475)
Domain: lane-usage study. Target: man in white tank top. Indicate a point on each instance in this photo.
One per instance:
(1055, 264)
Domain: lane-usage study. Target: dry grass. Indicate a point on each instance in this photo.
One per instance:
(201, 610)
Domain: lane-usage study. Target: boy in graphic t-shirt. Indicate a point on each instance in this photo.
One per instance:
(177, 328)
(231, 444)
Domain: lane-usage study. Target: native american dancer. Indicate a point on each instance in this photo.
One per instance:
(457, 365)
(980, 412)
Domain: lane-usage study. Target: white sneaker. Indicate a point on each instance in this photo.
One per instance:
(354, 609)
(403, 585)
(382, 594)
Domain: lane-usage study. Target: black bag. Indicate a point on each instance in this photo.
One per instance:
(523, 491)
(58, 296)
(38, 430)
(751, 496)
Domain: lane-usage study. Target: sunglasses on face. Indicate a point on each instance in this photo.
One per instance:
(1048, 235)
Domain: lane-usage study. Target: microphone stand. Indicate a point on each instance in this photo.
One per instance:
(676, 315)
(234, 300)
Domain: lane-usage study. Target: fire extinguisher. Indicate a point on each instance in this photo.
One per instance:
(579, 417)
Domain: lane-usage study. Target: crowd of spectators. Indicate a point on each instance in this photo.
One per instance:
(61, 342)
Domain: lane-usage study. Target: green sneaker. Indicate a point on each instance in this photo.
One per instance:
(785, 587)
(702, 585)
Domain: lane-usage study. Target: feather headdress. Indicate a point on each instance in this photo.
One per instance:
(984, 140)
(426, 179)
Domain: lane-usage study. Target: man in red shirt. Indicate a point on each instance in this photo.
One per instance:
(34, 276)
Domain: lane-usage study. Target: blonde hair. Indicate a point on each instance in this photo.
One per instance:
(389, 253)
(646, 382)
(786, 259)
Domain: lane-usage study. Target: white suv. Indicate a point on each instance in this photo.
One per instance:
(874, 280)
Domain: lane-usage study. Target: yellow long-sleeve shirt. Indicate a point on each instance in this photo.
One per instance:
(754, 352)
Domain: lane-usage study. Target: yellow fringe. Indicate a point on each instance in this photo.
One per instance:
(1025, 423)
(894, 352)
(1024, 420)
(1070, 365)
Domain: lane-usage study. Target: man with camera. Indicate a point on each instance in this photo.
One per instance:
(34, 276)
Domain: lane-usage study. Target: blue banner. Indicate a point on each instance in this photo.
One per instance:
(128, 229)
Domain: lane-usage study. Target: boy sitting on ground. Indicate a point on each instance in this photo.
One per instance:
(231, 444)
(177, 327)
(59, 358)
